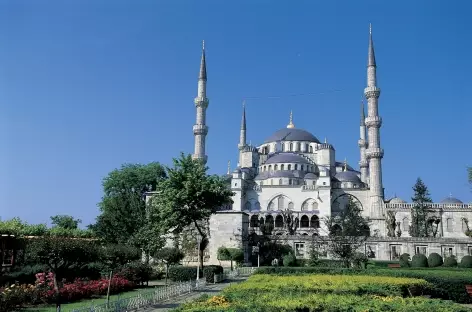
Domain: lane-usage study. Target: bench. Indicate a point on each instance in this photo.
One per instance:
(468, 288)
(394, 265)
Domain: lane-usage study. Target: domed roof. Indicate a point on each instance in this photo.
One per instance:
(280, 174)
(347, 176)
(451, 200)
(310, 175)
(397, 200)
(292, 134)
(286, 158)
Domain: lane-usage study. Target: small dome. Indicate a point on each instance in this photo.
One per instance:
(292, 134)
(286, 158)
(310, 175)
(397, 200)
(451, 200)
(347, 176)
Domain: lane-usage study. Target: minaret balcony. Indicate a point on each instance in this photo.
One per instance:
(362, 143)
(373, 122)
(371, 92)
(376, 152)
(363, 164)
(200, 130)
(201, 102)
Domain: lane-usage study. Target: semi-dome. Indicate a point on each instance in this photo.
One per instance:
(451, 200)
(292, 134)
(347, 176)
(286, 158)
(310, 175)
(397, 200)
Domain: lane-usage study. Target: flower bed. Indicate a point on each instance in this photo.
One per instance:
(322, 293)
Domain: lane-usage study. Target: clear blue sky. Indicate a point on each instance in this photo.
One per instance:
(86, 86)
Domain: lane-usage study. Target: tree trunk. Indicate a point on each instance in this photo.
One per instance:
(58, 295)
(200, 255)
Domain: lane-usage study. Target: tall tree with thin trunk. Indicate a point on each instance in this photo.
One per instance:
(187, 198)
(420, 227)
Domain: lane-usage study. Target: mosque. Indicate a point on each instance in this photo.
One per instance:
(293, 170)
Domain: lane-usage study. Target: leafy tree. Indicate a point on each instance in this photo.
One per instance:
(314, 255)
(188, 197)
(230, 254)
(170, 256)
(61, 254)
(420, 226)
(122, 218)
(115, 256)
(347, 232)
(21, 228)
(65, 222)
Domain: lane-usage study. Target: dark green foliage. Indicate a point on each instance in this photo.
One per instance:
(405, 260)
(450, 262)
(420, 227)
(314, 256)
(231, 254)
(290, 260)
(466, 262)
(210, 271)
(435, 260)
(182, 273)
(419, 261)
(115, 256)
(169, 255)
(137, 272)
(65, 222)
(359, 260)
(21, 228)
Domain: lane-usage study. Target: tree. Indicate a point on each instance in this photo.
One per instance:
(230, 254)
(188, 197)
(420, 226)
(61, 254)
(347, 232)
(65, 222)
(115, 256)
(123, 209)
(170, 256)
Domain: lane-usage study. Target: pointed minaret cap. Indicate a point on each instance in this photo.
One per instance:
(203, 72)
(371, 60)
(290, 124)
(229, 167)
(243, 119)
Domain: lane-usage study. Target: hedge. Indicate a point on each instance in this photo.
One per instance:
(210, 271)
(182, 273)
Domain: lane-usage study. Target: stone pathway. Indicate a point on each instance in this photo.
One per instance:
(209, 290)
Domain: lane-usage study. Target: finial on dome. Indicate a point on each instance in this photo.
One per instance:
(345, 164)
(326, 140)
(291, 125)
(229, 167)
(203, 44)
(450, 195)
(370, 28)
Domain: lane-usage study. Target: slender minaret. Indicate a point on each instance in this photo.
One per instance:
(242, 132)
(363, 164)
(200, 130)
(373, 122)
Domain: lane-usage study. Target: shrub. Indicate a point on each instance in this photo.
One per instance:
(450, 262)
(290, 260)
(210, 271)
(419, 261)
(182, 273)
(405, 260)
(466, 262)
(435, 260)
(136, 272)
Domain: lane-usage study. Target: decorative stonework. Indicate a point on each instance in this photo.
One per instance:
(201, 102)
(371, 92)
(374, 153)
(363, 164)
(200, 130)
(373, 122)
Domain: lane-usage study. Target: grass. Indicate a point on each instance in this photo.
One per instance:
(90, 302)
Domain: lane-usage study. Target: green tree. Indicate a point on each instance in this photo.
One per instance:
(65, 222)
(169, 256)
(115, 256)
(420, 227)
(347, 233)
(230, 254)
(122, 218)
(188, 197)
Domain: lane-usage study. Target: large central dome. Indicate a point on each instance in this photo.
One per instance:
(292, 134)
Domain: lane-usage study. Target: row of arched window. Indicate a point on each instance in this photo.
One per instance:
(289, 167)
(278, 222)
(297, 147)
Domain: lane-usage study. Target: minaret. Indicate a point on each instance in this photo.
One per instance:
(363, 164)
(200, 130)
(373, 122)
(242, 132)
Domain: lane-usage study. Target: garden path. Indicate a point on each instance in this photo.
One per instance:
(209, 290)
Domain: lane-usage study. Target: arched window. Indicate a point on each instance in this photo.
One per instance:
(304, 222)
(405, 224)
(258, 205)
(283, 146)
(270, 167)
(254, 221)
(280, 203)
(248, 206)
(305, 206)
(282, 167)
(296, 167)
(269, 220)
(280, 181)
(311, 149)
(290, 205)
(449, 225)
(279, 221)
(315, 222)
(314, 206)
(271, 206)
(289, 167)
(289, 181)
(301, 167)
(291, 147)
(276, 167)
(297, 146)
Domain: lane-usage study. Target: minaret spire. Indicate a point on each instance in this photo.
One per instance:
(242, 132)
(373, 123)
(290, 124)
(363, 163)
(229, 168)
(200, 130)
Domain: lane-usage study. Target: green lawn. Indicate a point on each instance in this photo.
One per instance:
(90, 302)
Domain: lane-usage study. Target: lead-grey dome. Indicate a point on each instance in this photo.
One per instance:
(280, 174)
(310, 175)
(397, 200)
(292, 134)
(347, 176)
(451, 200)
(286, 158)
